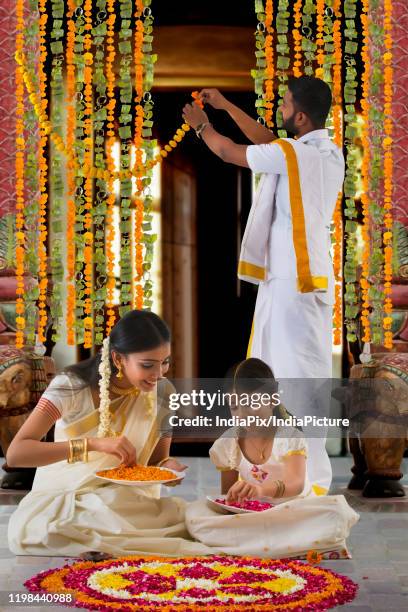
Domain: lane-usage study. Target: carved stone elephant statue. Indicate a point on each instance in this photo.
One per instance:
(23, 378)
(378, 407)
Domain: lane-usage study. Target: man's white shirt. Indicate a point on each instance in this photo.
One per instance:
(270, 159)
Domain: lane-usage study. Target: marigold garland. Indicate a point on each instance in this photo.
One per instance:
(88, 320)
(269, 67)
(137, 287)
(99, 210)
(40, 104)
(320, 12)
(19, 167)
(365, 171)
(297, 38)
(283, 55)
(388, 173)
(70, 173)
(350, 183)
(338, 139)
(110, 133)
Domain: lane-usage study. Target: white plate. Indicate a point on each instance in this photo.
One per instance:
(217, 506)
(143, 483)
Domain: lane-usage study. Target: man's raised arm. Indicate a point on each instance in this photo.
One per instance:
(254, 131)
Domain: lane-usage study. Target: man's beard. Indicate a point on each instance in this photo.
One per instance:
(289, 125)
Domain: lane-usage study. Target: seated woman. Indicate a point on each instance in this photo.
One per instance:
(106, 412)
(258, 462)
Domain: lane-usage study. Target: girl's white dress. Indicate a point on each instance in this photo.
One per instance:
(292, 528)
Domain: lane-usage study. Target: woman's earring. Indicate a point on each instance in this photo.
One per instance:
(119, 373)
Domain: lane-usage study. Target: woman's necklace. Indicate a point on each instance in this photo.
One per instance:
(124, 392)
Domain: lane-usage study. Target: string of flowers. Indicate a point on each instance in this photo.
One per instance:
(56, 175)
(99, 210)
(388, 173)
(70, 173)
(283, 55)
(40, 104)
(81, 171)
(377, 121)
(104, 429)
(149, 145)
(365, 171)
(137, 247)
(88, 186)
(110, 133)
(19, 166)
(125, 134)
(93, 171)
(31, 172)
(269, 67)
(350, 183)
(338, 139)
(320, 18)
(297, 38)
(259, 73)
(308, 44)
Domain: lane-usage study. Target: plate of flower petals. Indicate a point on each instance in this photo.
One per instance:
(139, 475)
(246, 507)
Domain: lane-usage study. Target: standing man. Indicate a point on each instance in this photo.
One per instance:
(285, 248)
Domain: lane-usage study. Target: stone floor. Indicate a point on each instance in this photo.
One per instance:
(378, 543)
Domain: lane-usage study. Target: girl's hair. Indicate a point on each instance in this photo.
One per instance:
(251, 376)
(137, 331)
(254, 376)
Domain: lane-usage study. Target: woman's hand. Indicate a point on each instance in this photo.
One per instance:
(242, 490)
(194, 115)
(214, 98)
(120, 447)
(175, 465)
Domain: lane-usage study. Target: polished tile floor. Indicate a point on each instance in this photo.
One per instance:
(378, 543)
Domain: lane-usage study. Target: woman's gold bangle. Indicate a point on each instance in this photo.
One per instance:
(160, 463)
(78, 450)
(280, 488)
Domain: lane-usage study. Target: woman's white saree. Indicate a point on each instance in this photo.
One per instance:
(69, 511)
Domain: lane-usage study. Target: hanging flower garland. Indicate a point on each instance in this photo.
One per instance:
(365, 172)
(283, 55)
(259, 73)
(269, 67)
(19, 166)
(388, 173)
(110, 133)
(308, 44)
(320, 14)
(297, 38)
(31, 172)
(338, 139)
(56, 175)
(99, 210)
(377, 120)
(149, 145)
(81, 170)
(350, 183)
(125, 134)
(137, 247)
(40, 104)
(70, 173)
(88, 185)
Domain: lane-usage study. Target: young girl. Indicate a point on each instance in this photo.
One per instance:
(106, 411)
(268, 462)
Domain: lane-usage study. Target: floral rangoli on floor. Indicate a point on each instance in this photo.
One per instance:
(210, 584)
